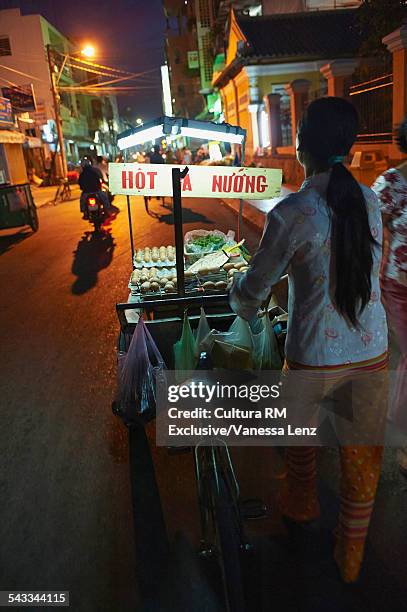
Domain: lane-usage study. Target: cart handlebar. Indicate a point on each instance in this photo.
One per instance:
(163, 307)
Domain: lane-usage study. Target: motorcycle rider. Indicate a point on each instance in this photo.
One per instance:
(90, 181)
(103, 165)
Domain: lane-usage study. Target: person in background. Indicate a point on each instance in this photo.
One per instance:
(391, 187)
(140, 157)
(119, 159)
(170, 158)
(48, 170)
(327, 236)
(155, 156)
(186, 156)
(103, 165)
(200, 155)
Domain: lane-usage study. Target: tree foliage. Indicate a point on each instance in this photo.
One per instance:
(377, 18)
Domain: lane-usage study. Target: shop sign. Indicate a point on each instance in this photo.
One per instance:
(200, 182)
(21, 97)
(6, 115)
(193, 59)
(40, 115)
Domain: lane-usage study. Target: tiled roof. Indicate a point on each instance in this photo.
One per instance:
(317, 34)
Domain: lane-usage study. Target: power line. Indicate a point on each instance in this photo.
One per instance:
(30, 76)
(103, 90)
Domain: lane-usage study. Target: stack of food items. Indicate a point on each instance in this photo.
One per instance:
(153, 280)
(155, 273)
(233, 267)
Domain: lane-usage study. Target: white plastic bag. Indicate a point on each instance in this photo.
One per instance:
(239, 335)
(201, 333)
(266, 355)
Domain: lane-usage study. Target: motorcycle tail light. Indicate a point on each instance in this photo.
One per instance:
(92, 202)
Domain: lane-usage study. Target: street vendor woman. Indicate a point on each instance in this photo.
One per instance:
(327, 236)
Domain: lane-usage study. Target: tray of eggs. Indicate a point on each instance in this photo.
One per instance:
(153, 280)
(155, 257)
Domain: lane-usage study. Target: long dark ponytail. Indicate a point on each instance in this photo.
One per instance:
(327, 132)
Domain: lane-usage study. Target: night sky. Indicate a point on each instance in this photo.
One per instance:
(128, 34)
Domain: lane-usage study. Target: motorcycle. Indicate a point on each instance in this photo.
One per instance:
(95, 209)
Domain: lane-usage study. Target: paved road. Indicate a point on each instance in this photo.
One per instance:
(65, 518)
(65, 504)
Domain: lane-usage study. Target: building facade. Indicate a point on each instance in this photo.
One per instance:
(89, 123)
(275, 64)
(182, 55)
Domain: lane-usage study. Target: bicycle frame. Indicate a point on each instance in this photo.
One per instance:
(214, 461)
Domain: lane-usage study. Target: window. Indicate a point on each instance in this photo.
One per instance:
(285, 114)
(5, 48)
(97, 109)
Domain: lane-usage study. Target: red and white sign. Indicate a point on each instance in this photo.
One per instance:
(200, 182)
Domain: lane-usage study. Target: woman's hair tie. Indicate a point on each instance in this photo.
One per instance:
(335, 159)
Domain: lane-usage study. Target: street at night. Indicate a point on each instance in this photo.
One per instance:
(203, 328)
(67, 523)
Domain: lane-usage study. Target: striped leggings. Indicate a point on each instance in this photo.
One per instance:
(360, 472)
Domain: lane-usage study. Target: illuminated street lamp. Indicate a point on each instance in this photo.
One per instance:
(88, 51)
(55, 73)
(139, 121)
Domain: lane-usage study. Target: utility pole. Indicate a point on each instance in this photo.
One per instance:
(58, 122)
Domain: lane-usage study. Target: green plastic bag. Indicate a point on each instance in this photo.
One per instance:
(184, 351)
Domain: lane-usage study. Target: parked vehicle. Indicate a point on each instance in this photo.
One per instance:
(17, 207)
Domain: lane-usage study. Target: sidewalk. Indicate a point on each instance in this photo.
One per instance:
(255, 211)
(45, 195)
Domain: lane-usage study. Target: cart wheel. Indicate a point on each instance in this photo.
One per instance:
(33, 218)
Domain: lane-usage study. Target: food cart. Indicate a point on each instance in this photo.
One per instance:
(164, 282)
(167, 278)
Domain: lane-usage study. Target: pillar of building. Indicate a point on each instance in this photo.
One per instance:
(224, 105)
(236, 100)
(272, 105)
(337, 73)
(298, 91)
(396, 43)
(254, 110)
(254, 90)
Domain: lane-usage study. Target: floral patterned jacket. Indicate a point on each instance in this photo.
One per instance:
(296, 240)
(391, 187)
